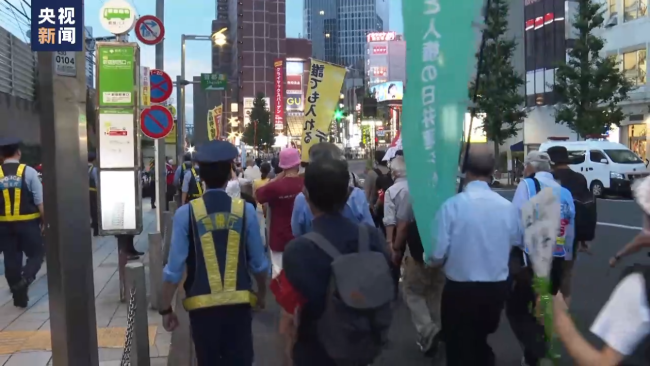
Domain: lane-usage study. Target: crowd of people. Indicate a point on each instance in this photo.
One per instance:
(336, 253)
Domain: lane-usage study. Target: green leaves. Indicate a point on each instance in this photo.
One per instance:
(590, 86)
(259, 133)
(499, 96)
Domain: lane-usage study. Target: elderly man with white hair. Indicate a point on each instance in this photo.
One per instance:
(527, 328)
(422, 285)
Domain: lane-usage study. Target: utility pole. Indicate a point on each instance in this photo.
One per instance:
(159, 144)
(67, 210)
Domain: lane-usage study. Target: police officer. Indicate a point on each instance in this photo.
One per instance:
(92, 184)
(180, 170)
(21, 215)
(217, 238)
(191, 187)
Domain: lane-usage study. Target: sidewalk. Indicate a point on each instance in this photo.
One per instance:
(25, 333)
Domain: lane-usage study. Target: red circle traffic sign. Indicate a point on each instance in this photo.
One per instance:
(156, 122)
(161, 86)
(149, 30)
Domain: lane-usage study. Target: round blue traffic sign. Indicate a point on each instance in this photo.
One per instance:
(156, 122)
(161, 86)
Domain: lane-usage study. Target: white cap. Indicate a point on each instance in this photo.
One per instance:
(537, 156)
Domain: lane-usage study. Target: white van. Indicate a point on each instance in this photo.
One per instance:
(608, 166)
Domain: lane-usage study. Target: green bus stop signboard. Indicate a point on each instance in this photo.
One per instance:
(214, 81)
(116, 75)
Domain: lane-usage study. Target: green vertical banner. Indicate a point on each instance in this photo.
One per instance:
(441, 43)
(116, 75)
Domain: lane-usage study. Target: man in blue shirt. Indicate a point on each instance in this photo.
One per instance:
(356, 208)
(217, 240)
(476, 230)
(21, 220)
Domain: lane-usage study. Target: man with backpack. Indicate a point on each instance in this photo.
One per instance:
(342, 271)
(378, 180)
(585, 206)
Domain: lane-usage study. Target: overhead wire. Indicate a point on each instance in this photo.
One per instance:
(24, 14)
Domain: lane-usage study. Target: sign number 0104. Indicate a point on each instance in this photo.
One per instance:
(62, 57)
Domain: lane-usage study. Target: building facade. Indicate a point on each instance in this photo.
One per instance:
(338, 28)
(296, 73)
(627, 34)
(256, 32)
(385, 58)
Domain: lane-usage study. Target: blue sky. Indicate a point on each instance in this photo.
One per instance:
(182, 19)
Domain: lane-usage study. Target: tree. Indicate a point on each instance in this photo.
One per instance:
(499, 97)
(590, 86)
(261, 118)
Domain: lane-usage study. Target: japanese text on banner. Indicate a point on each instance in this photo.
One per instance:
(56, 25)
(325, 81)
(279, 95)
(214, 119)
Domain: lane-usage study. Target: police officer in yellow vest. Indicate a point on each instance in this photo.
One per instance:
(92, 184)
(21, 214)
(216, 239)
(191, 187)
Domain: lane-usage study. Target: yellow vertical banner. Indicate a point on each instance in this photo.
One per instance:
(171, 138)
(325, 82)
(145, 86)
(214, 119)
(217, 112)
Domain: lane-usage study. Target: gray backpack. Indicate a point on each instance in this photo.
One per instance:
(354, 326)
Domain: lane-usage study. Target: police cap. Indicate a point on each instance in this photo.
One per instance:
(216, 151)
(9, 141)
(91, 156)
(187, 157)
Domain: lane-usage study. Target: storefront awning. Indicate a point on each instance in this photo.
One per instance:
(519, 146)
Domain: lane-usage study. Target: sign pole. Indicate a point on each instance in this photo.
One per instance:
(159, 144)
(65, 151)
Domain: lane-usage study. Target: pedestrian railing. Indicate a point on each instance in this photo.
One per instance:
(17, 67)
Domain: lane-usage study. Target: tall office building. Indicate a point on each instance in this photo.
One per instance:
(256, 38)
(338, 28)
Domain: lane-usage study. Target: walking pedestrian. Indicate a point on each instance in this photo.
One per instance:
(338, 253)
(521, 304)
(476, 230)
(92, 184)
(586, 216)
(192, 187)
(219, 287)
(356, 207)
(422, 286)
(21, 221)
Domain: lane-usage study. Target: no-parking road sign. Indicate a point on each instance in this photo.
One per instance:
(149, 30)
(156, 122)
(161, 86)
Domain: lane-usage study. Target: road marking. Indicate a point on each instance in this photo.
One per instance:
(39, 340)
(620, 226)
(616, 200)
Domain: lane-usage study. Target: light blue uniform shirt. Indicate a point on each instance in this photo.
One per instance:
(179, 249)
(177, 176)
(93, 173)
(356, 209)
(31, 180)
(476, 231)
(187, 178)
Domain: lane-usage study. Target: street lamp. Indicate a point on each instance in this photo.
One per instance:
(219, 39)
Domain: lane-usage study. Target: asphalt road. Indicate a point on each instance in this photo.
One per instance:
(619, 220)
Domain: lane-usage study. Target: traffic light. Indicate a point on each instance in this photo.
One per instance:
(338, 114)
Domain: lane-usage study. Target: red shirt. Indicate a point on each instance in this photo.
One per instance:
(280, 195)
(170, 174)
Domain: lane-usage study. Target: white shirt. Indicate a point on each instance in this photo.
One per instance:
(624, 321)
(475, 231)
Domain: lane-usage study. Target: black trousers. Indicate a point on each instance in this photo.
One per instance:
(520, 310)
(223, 335)
(152, 189)
(470, 312)
(169, 195)
(94, 223)
(17, 238)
